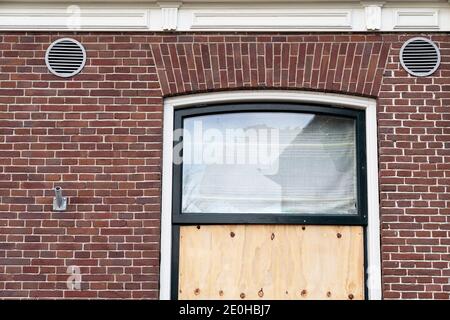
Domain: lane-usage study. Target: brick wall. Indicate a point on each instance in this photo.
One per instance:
(98, 135)
(414, 149)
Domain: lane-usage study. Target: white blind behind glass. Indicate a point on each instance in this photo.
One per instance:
(298, 163)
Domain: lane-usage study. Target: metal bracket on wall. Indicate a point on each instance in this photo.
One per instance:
(59, 202)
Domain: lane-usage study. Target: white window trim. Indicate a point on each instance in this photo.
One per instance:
(339, 100)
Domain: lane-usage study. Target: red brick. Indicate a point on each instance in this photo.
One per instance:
(99, 135)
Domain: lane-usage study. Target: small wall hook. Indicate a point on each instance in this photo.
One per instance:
(59, 202)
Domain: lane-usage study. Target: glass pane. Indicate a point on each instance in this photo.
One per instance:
(269, 162)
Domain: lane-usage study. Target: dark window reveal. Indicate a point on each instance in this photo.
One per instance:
(269, 163)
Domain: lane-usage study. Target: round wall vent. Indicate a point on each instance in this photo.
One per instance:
(65, 57)
(420, 57)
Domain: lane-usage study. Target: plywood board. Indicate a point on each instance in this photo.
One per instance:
(271, 262)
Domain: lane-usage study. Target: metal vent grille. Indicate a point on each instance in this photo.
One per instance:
(65, 57)
(420, 57)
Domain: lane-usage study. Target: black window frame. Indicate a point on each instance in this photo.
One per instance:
(180, 218)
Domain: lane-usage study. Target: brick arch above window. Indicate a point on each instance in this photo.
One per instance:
(188, 65)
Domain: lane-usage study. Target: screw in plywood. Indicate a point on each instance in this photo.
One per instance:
(242, 295)
(272, 236)
(261, 293)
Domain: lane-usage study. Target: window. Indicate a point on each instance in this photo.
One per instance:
(260, 163)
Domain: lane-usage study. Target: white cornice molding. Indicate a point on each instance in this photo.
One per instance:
(71, 18)
(226, 15)
(221, 1)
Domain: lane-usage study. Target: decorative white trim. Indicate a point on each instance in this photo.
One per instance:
(305, 19)
(72, 18)
(373, 15)
(169, 15)
(419, 19)
(225, 15)
(338, 100)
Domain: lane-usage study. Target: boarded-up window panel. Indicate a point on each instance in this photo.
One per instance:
(271, 262)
